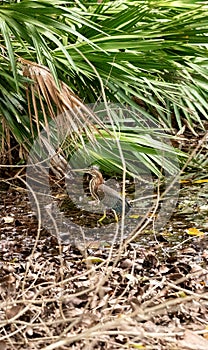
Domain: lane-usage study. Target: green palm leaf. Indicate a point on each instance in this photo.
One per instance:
(149, 54)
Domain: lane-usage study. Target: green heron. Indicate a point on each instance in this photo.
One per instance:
(108, 197)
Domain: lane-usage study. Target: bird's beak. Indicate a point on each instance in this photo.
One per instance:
(81, 170)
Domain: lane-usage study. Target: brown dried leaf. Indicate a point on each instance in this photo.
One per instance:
(13, 311)
(193, 341)
(3, 345)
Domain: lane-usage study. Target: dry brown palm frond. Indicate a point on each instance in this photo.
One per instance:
(54, 101)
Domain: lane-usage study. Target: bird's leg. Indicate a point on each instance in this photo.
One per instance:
(115, 216)
(103, 217)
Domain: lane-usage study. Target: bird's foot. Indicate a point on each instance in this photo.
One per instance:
(113, 217)
(100, 221)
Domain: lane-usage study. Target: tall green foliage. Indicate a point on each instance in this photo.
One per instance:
(150, 54)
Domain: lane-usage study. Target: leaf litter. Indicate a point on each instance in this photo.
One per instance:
(151, 294)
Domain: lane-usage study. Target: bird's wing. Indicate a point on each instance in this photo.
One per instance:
(112, 199)
(110, 192)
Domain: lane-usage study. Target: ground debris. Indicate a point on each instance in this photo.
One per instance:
(146, 296)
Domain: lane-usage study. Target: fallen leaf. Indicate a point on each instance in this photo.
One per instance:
(8, 219)
(135, 216)
(200, 181)
(93, 259)
(193, 341)
(13, 311)
(194, 232)
(3, 345)
(137, 346)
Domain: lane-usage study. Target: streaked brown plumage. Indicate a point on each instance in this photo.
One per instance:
(110, 198)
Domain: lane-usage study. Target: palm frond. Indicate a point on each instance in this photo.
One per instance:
(79, 118)
(148, 54)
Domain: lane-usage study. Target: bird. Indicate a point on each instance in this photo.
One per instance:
(107, 196)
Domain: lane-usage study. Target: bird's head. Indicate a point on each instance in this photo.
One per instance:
(96, 176)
